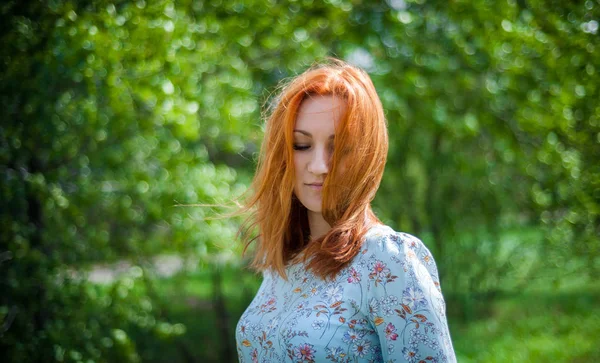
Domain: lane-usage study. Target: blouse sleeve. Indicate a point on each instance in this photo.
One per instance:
(404, 301)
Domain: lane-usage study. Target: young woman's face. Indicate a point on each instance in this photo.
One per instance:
(314, 134)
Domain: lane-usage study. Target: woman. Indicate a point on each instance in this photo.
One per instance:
(338, 284)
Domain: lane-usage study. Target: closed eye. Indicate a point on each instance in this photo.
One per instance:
(300, 147)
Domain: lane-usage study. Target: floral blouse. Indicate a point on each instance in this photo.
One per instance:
(385, 306)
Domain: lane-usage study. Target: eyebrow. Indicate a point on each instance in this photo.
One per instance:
(306, 133)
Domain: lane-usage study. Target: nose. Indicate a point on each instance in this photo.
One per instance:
(319, 161)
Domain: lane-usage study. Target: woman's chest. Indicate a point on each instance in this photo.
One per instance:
(306, 318)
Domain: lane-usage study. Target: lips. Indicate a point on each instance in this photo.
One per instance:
(315, 186)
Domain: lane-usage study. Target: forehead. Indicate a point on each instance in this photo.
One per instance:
(320, 112)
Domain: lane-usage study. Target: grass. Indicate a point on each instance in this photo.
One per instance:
(534, 327)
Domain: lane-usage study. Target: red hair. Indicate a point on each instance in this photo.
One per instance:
(348, 189)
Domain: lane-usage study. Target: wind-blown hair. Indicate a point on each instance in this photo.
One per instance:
(358, 161)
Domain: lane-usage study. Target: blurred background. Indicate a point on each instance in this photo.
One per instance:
(114, 114)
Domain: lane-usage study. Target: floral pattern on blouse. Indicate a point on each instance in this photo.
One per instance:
(385, 306)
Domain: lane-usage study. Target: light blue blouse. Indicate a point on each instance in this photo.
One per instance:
(385, 306)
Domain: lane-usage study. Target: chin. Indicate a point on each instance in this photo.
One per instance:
(314, 208)
(311, 203)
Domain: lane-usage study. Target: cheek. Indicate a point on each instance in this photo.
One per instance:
(299, 163)
(298, 167)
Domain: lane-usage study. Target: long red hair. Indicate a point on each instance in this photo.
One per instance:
(349, 187)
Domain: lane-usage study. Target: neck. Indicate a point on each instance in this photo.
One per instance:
(318, 225)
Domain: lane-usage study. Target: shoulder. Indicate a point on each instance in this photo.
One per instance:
(384, 244)
(383, 239)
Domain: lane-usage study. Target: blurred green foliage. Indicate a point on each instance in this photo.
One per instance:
(114, 113)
